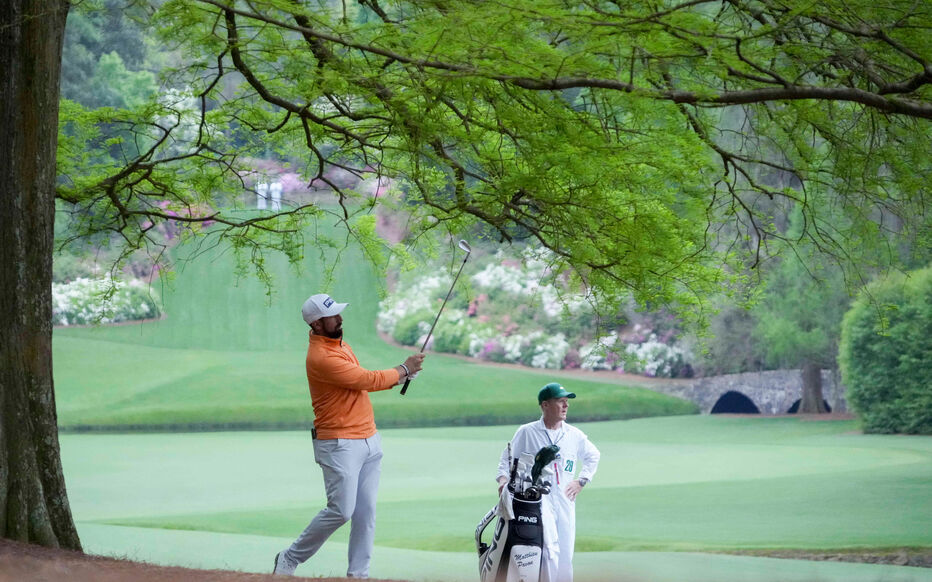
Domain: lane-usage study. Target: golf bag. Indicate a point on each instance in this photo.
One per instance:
(516, 550)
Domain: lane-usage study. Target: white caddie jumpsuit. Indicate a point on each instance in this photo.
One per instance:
(578, 458)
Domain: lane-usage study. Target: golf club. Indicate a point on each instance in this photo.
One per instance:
(465, 247)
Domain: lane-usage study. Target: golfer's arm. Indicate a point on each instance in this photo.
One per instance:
(351, 376)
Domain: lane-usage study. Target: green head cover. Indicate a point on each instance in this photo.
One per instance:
(542, 459)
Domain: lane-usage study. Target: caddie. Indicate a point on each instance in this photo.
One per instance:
(575, 465)
(346, 444)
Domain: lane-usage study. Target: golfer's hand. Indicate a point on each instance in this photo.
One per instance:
(573, 489)
(414, 363)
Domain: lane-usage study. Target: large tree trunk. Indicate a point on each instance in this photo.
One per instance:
(812, 401)
(33, 502)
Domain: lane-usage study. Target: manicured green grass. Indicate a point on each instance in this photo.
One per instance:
(227, 355)
(684, 483)
(107, 383)
(687, 483)
(210, 305)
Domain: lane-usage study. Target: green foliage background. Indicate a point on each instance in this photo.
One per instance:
(656, 151)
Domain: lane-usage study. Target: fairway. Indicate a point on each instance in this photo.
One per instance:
(227, 355)
(681, 484)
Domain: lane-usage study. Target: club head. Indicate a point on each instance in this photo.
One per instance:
(465, 246)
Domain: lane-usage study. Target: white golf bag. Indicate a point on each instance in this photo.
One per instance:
(516, 548)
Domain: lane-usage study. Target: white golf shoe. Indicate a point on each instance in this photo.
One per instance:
(283, 565)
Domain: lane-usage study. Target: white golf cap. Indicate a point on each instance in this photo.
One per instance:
(320, 305)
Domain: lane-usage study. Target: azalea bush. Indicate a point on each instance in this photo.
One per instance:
(522, 310)
(103, 300)
(655, 358)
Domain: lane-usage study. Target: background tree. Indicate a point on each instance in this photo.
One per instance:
(885, 355)
(593, 128)
(798, 319)
(105, 62)
(799, 324)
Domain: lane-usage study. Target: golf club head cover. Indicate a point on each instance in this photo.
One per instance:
(542, 459)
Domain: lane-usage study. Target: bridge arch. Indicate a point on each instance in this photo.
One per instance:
(771, 392)
(734, 402)
(795, 407)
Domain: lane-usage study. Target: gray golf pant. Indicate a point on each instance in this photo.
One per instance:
(351, 476)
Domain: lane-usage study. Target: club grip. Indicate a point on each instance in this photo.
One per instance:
(405, 387)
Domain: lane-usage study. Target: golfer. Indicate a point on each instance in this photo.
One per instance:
(346, 444)
(573, 468)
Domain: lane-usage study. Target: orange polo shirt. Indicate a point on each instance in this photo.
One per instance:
(340, 389)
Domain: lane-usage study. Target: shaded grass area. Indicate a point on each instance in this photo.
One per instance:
(229, 356)
(664, 484)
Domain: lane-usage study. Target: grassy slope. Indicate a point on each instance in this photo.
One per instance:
(229, 355)
(684, 483)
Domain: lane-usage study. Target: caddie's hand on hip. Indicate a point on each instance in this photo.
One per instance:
(572, 489)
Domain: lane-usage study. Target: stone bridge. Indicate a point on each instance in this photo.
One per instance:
(771, 392)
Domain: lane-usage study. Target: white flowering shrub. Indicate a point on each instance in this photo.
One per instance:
(597, 354)
(417, 296)
(84, 301)
(549, 352)
(451, 334)
(527, 280)
(483, 343)
(410, 329)
(655, 358)
(518, 310)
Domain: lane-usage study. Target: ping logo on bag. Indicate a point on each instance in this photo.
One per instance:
(528, 519)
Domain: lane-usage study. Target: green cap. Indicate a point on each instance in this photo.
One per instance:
(553, 390)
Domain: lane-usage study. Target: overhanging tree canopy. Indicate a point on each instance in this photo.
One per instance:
(646, 144)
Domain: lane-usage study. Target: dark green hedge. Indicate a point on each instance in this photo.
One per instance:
(886, 354)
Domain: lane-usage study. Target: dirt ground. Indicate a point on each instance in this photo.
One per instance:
(27, 563)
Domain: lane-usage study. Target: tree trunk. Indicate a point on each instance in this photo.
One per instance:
(812, 401)
(33, 502)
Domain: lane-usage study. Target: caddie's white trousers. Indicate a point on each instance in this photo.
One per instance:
(351, 470)
(559, 516)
